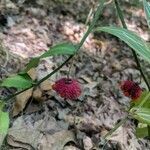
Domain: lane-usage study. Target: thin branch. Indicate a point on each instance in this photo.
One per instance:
(116, 127)
(120, 14)
(95, 18)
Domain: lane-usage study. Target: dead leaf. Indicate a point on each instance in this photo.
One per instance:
(37, 94)
(42, 135)
(23, 135)
(123, 135)
(87, 142)
(86, 123)
(21, 101)
(32, 73)
(116, 65)
(103, 45)
(46, 85)
(12, 141)
(15, 148)
(70, 148)
(56, 141)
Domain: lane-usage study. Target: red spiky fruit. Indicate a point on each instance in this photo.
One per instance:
(131, 89)
(67, 88)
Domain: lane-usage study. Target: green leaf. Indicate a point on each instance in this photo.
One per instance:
(32, 64)
(147, 11)
(130, 38)
(142, 132)
(4, 125)
(17, 81)
(60, 49)
(64, 48)
(141, 99)
(1, 104)
(141, 114)
(4, 122)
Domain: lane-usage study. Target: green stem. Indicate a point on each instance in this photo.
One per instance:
(112, 131)
(40, 81)
(118, 124)
(95, 18)
(15, 94)
(53, 72)
(116, 127)
(120, 14)
(99, 10)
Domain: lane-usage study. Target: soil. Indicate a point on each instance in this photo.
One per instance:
(29, 28)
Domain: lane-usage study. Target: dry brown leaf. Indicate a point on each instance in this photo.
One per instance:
(21, 101)
(41, 135)
(116, 65)
(23, 135)
(32, 73)
(46, 85)
(85, 123)
(123, 136)
(8, 4)
(14, 143)
(87, 142)
(70, 148)
(56, 141)
(37, 94)
(103, 46)
(15, 148)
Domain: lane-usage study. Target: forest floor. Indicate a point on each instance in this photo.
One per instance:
(39, 118)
